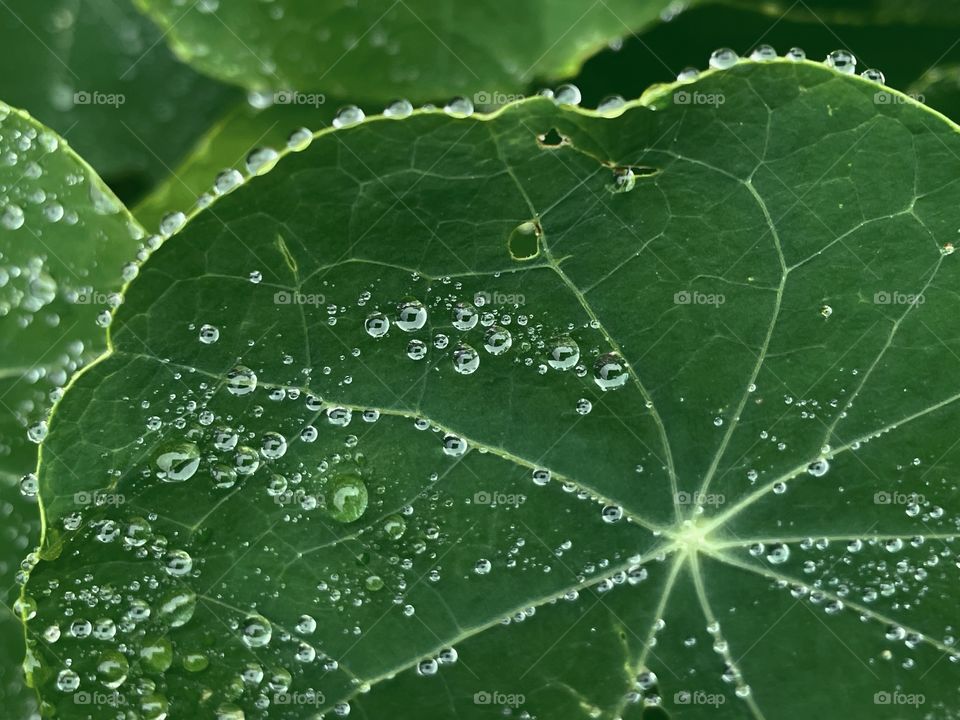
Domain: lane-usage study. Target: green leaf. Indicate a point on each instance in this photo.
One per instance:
(19, 533)
(66, 244)
(225, 147)
(750, 284)
(419, 49)
(64, 241)
(97, 72)
(919, 12)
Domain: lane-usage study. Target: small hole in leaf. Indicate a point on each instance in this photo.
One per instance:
(552, 138)
(524, 241)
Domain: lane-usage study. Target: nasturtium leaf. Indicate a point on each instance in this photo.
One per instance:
(19, 533)
(66, 247)
(687, 455)
(424, 50)
(97, 72)
(64, 242)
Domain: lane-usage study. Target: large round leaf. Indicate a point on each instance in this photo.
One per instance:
(545, 412)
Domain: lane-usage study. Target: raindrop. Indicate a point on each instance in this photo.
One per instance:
(610, 371)
(723, 58)
(349, 115)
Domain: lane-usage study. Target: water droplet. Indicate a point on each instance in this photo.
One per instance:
(172, 222)
(466, 360)
(465, 316)
(819, 467)
(778, 553)
(346, 497)
(209, 334)
(227, 181)
(112, 668)
(12, 217)
(564, 353)
(842, 61)
(156, 654)
(454, 446)
(256, 631)
(261, 160)
(459, 107)
(416, 350)
(377, 324)
(300, 139)
(273, 445)
(567, 94)
(796, 54)
(610, 371)
(178, 461)
(399, 109)
(612, 513)
(411, 315)
(763, 53)
(241, 380)
(497, 340)
(875, 75)
(349, 115)
(612, 105)
(723, 58)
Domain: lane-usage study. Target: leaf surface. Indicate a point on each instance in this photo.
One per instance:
(676, 443)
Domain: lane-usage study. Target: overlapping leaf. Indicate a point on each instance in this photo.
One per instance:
(98, 72)
(64, 242)
(380, 50)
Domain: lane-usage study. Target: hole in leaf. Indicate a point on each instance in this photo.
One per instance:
(552, 138)
(524, 241)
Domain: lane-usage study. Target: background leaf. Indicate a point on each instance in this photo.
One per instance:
(382, 50)
(745, 465)
(226, 146)
(98, 73)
